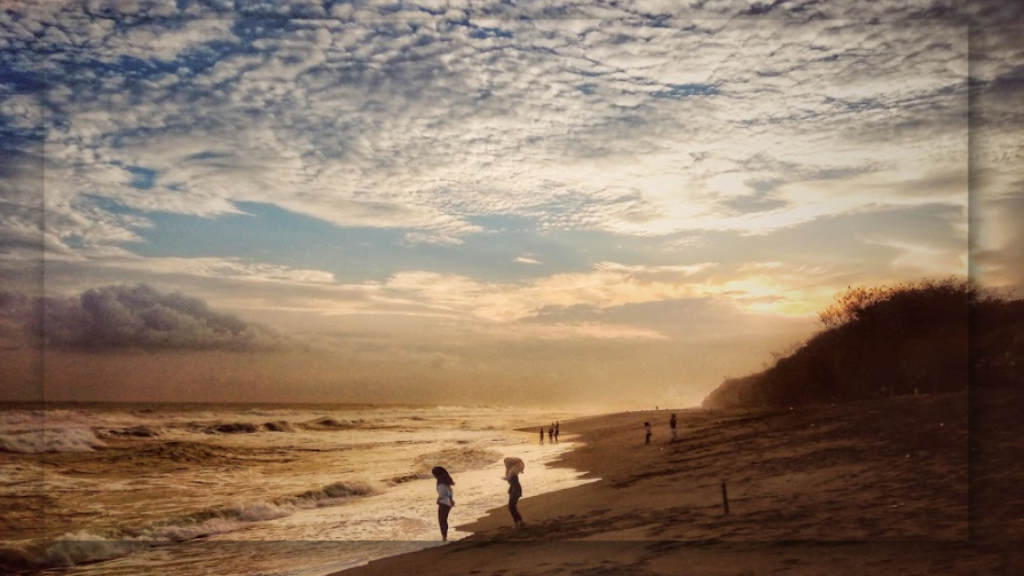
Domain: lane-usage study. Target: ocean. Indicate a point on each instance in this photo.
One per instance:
(260, 490)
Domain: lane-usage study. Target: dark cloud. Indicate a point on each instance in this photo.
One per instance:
(139, 317)
(998, 105)
(1009, 84)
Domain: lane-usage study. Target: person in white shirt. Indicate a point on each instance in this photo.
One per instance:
(445, 498)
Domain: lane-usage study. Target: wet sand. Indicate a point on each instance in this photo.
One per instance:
(898, 486)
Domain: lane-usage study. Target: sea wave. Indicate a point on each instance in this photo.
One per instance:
(80, 547)
(229, 518)
(15, 419)
(140, 431)
(182, 451)
(278, 426)
(50, 440)
(329, 423)
(233, 428)
(332, 493)
(324, 423)
(212, 521)
(459, 458)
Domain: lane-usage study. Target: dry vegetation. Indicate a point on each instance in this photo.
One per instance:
(924, 337)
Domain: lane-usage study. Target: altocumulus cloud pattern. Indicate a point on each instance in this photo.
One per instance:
(679, 133)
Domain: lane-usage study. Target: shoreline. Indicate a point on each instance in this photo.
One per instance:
(198, 489)
(875, 487)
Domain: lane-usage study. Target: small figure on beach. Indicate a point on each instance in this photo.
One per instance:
(556, 430)
(541, 435)
(513, 468)
(647, 428)
(672, 426)
(445, 498)
(551, 432)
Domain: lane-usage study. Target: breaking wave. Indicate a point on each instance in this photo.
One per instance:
(233, 428)
(227, 519)
(278, 426)
(50, 440)
(81, 547)
(328, 423)
(331, 494)
(319, 424)
(140, 431)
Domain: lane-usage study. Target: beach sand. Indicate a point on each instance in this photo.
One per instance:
(898, 486)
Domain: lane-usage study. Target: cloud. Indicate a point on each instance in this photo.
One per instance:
(925, 260)
(570, 331)
(642, 157)
(422, 124)
(136, 317)
(434, 121)
(502, 308)
(21, 207)
(224, 268)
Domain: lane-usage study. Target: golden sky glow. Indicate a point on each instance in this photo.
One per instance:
(431, 200)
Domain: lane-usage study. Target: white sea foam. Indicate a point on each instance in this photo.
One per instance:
(332, 493)
(50, 440)
(81, 547)
(162, 501)
(209, 522)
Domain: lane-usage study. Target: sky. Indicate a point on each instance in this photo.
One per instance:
(569, 203)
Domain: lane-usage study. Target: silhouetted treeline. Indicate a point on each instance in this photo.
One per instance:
(918, 338)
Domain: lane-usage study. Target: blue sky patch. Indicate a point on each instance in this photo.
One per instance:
(686, 90)
(142, 178)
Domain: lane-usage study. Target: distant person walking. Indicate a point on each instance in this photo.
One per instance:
(541, 435)
(672, 426)
(556, 430)
(551, 432)
(647, 429)
(445, 498)
(513, 468)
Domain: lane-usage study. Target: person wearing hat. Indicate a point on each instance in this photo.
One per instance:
(513, 467)
(445, 498)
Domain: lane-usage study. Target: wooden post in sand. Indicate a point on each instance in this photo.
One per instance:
(725, 499)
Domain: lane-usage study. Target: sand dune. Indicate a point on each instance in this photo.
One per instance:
(879, 487)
